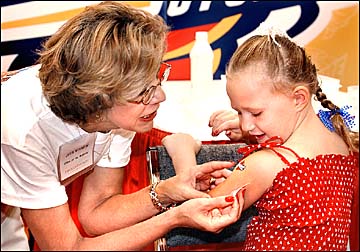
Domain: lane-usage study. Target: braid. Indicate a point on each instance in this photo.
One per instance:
(351, 138)
(325, 102)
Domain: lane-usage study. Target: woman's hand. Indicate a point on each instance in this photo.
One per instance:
(210, 214)
(195, 183)
(210, 174)
(182, 149)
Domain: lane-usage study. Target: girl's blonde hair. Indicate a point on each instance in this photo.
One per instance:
(288, 65)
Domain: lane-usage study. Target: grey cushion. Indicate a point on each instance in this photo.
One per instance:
(188, 236)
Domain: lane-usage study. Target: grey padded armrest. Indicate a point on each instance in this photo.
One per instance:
(160, 166)
(208, 152)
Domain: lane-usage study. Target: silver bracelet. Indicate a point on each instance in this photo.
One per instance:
(155, 200)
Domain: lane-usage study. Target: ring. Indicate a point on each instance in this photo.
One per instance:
(212, 180)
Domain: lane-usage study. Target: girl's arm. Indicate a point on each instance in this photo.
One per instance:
(182, 148)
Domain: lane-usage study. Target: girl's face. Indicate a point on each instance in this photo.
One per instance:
(263, 112)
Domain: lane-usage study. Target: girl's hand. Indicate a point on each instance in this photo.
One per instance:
(227, 121)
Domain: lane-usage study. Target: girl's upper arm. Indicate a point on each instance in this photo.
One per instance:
(260, 170)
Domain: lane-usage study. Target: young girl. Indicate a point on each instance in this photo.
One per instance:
(301, 173)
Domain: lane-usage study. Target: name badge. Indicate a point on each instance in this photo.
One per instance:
(76, 158)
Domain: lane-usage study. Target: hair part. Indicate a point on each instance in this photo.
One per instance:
(103, 56)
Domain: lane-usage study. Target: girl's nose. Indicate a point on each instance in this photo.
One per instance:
(247, 125)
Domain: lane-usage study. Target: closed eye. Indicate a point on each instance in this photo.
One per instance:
(253, 114)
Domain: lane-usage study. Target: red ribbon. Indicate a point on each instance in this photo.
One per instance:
(275, 141)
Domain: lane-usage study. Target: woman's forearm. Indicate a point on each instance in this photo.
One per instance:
(134, 237)
(109, 215)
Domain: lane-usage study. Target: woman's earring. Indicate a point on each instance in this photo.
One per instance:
(98, 117)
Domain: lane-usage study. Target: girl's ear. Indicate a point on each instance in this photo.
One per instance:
(302, 97)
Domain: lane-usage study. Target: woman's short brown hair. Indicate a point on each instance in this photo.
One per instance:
(103, 56)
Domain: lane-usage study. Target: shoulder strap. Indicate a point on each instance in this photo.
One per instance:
(271, 143)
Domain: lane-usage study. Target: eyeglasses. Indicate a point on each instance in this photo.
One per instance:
(146, 95)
